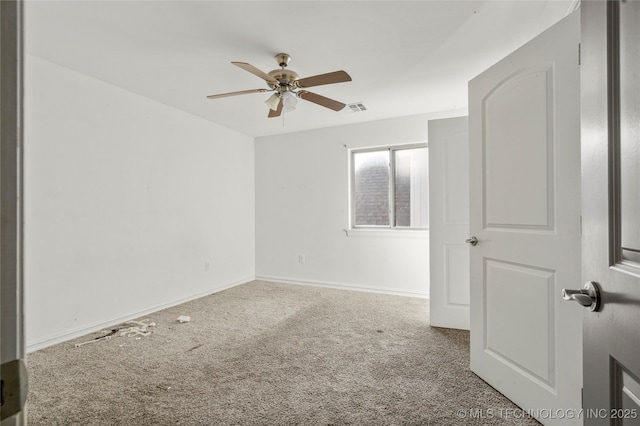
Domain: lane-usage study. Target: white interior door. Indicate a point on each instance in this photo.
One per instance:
(449, 222)
(524, 132)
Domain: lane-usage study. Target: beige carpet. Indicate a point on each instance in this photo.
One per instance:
(270, 354)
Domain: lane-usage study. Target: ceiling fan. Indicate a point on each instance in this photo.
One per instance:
(288, 87)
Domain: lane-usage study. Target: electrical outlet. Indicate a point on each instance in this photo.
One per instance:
(301, 258)
(207, 266)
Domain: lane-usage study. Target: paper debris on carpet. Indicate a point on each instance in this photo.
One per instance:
(182, 318)
(139, 328)
(129, 329)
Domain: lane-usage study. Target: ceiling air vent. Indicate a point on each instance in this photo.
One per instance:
(357, 107)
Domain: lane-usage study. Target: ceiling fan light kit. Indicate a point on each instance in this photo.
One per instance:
(286, 85)
(273, 101)
(289, 100)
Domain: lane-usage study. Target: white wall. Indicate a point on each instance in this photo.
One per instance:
(302, 207)
(125, 201)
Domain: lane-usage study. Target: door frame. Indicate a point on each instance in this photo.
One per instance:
(11, 232)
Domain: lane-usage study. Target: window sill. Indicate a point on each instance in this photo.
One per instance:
(387, 233)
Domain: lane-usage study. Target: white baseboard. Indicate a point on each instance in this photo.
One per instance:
(343, 286)
(72, 334)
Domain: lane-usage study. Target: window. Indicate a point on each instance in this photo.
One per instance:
(390, 187)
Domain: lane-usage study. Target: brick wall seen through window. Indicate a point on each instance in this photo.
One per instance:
(399, 174)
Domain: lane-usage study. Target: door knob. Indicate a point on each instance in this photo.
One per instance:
(473, 240)
(589, 296)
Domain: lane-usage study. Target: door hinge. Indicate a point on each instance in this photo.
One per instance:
(13, 388)
(579, 53)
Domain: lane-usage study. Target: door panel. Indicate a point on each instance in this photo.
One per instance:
(518, 151)
(456, 175)
(611, 198)
(629, 116)
(626, 395)
(457, 274)
(449, 222)
(520, 335)
(524, 150)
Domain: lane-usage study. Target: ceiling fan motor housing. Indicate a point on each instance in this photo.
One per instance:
(284, 76)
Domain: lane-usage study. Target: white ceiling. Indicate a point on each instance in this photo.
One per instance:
(405, 57)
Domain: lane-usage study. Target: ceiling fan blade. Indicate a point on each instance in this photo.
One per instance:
(242, 92)
(319, 80)
(321, 100)
(277, 112)
(255, 71)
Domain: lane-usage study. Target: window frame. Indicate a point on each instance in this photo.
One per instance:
(392, 149)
